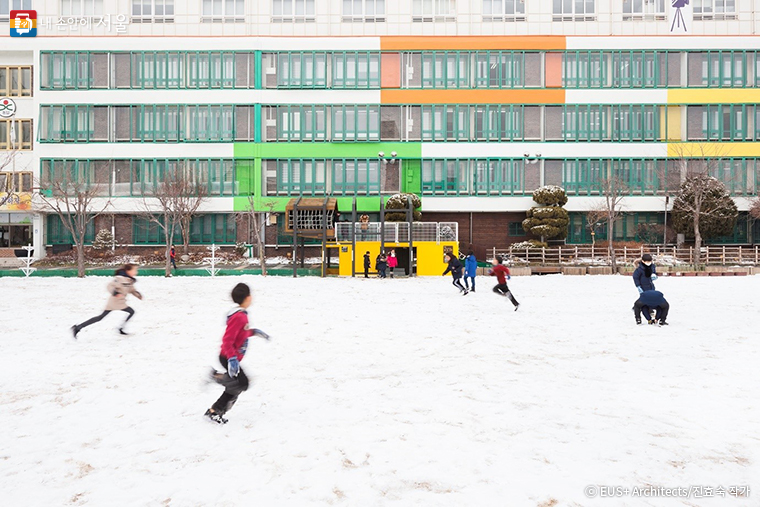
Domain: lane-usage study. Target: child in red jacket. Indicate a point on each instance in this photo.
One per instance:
(234, 345)
(501, 272)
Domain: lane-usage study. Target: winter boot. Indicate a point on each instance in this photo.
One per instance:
(214, 417)
(638, 321)
(122, 332)
(662, 323)
(75, 331)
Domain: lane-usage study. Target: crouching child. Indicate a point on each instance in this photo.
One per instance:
(649, 301)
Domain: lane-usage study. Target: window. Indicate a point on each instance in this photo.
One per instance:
(6, 6)
(498, 177)
(220, 229)
(301, 123)
(498, 123)
(16, 81)
(584, 123)
(635, 69)
(640, 9)
(16, 134)
(223, 11)
(499, 69)
(724, 68)
(503, 10)
(71, 123)
(573, 10)
(302, 70)
(152, 11)
(445, 123)
(81, 7)
(356, 70)
(157, 123)
(714, 9)
(635, 123)
(584, 69)
(432, 10)
(356, 123)
(638, 176)
(293, 10)
(356, 177)
(445, 70)
(364, 10)
(516, 229)
(165, 69)
(210, 123)
(301, 177)
(445, 177)
(724, 122)
(57, 234)
(20, 182)
(581, 177)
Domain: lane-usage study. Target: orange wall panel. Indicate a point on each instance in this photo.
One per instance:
(467, 96)
(553, 70)
(390, 70)
(453, 43)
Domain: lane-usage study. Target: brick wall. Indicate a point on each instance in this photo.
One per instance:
(489, 230)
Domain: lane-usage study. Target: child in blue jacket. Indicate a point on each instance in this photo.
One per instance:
(470, 270)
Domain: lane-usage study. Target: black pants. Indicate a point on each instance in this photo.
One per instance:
(661, 312)
(502, 290)
(233, 386)
(102, 316)
(174, 264)
(458, 284)
(366, 271)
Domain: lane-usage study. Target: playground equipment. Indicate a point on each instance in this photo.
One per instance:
(212, 270)
(27, 269)
(311, 218)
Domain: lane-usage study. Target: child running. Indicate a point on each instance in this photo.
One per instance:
(501, 272)
(122, 284)
(234, 345)
(455, 268)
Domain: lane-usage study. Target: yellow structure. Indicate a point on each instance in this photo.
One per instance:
(435, 239)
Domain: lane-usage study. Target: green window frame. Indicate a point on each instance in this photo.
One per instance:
(356, 176)
(220, 229)
(302, 69)
(724, 68)
(302, 123)
(147, 232)
(447, 177)
(445, 122)
(583, 176)
(740, 234)
(499, 69)
(499, 177)
(67, 123)
(445, 69)
(499, 122)
(57, 234)
(356, 123)
(157, 123)
(356, 70)
(639, 176)
(584, 122)
(211, 69)
(210, 123)
(515, 229)
(301, 176)
(725, 122)
(737, 174)
(636, 69)
(635, 123)
(66, 70)
(164, 69)
(584, 69)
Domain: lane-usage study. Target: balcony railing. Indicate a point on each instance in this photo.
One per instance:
(397, 232)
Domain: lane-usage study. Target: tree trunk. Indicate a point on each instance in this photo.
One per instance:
(610, 246)
(168, 235)
(697, 241)
(80, 259)
(258, 224)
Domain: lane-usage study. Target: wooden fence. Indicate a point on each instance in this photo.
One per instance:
(598, 255)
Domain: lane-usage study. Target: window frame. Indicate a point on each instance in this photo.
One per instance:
(224, 16)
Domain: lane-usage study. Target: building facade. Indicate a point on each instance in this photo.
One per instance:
(471, 104)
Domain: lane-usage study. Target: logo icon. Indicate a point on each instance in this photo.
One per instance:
(7, 108)
(23, 23)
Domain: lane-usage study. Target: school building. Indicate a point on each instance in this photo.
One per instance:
(471, 104)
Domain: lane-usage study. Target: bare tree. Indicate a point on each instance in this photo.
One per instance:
(77, 204)
(613, 189)
(257, 216)
(8, 188)
(703, 206)
(175, 201)
(754, 208)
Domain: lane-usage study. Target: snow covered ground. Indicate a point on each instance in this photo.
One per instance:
(375, 393)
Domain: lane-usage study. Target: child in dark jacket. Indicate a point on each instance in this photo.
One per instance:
(366, 265)
(455, 268)
(645, 274)
(234, 346)
(651, 300)
(501, 272)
